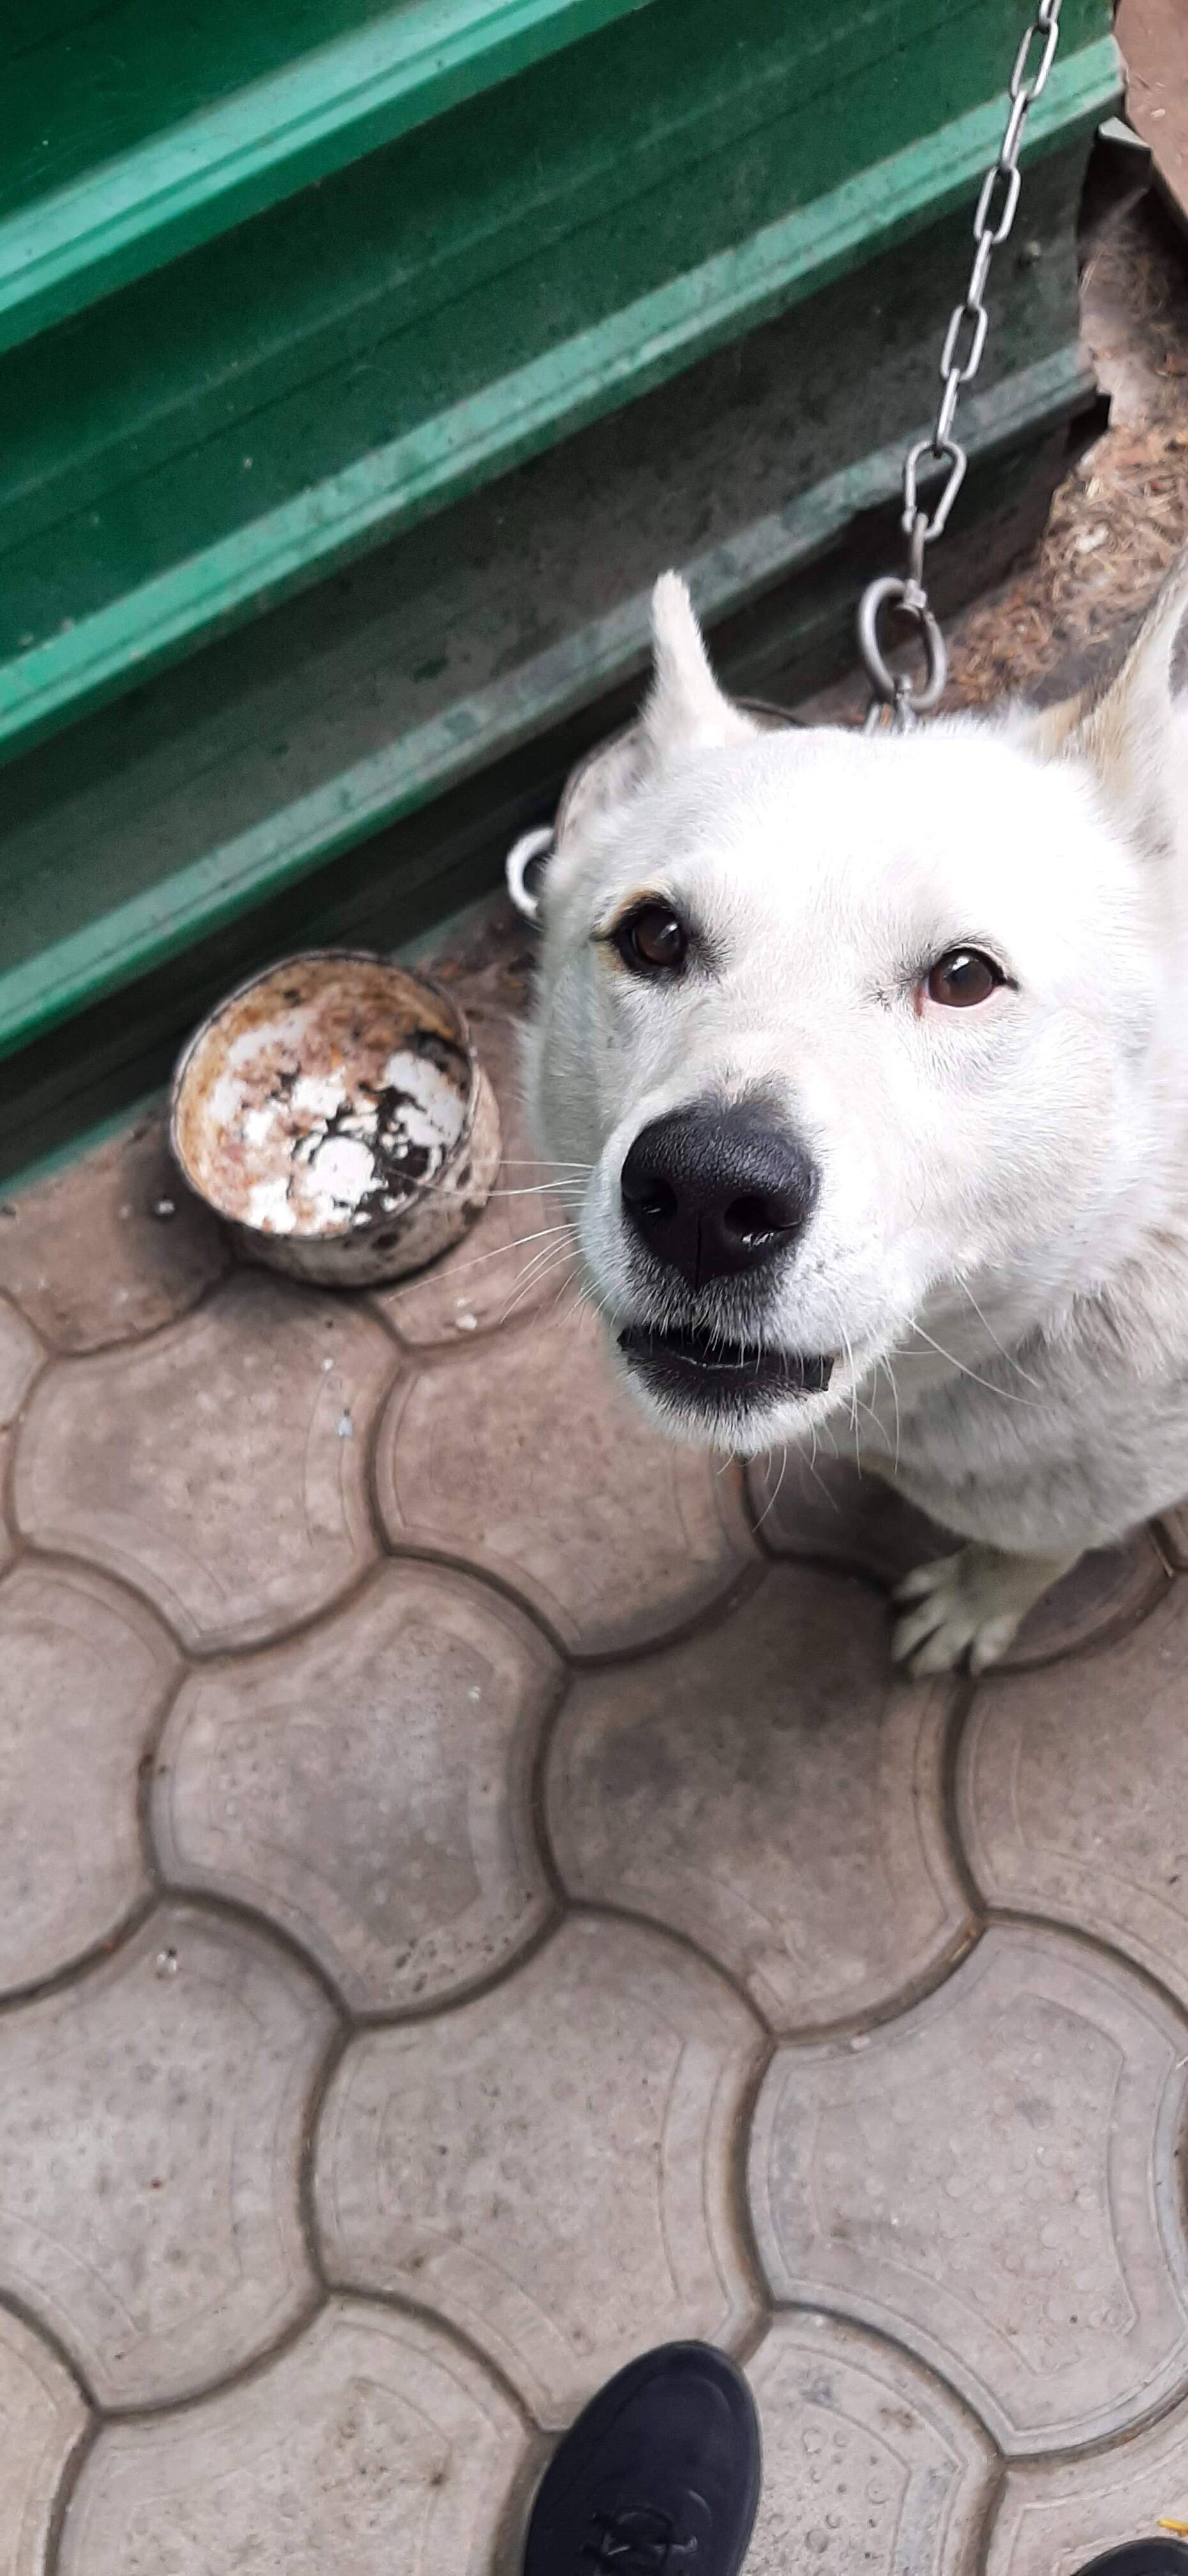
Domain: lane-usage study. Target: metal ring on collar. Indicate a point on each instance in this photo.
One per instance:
(531, 851)
(891, 593)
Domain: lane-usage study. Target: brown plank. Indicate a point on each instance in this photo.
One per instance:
(1153, 35)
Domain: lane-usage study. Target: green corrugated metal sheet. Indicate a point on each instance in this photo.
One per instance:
(279, 286)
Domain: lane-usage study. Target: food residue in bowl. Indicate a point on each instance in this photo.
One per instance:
(316, 1117)
(322, 1151)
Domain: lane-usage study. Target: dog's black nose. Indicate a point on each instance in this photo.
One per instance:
(715, 1191)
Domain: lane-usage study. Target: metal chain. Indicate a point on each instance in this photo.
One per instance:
(893, 696)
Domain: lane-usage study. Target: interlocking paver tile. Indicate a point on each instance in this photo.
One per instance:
(85, 1672)
(1173, 1529)
(21, 1356)
(526, 1459)
(1055, 2515)
(772, 1791)
(112, 1247)
(369, 1785)
(1073, 1793)
(150, 2130)
(41, 2417)
(221, 1467)
(823, 1510)
(511, 1260)
(869, 2468)
(375, 2445)
(819, 1507)
(1106, 1593)
(991, 2178)
(548, 2165)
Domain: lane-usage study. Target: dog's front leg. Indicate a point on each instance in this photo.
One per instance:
(964, 1610)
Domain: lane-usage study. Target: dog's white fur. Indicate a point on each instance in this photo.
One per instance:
(999, 1248)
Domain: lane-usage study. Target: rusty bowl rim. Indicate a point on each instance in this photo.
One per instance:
(426, 1188)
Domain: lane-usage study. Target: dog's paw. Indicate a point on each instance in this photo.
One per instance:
(962, 1612)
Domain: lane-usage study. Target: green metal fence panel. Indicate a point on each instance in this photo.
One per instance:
(325, 326)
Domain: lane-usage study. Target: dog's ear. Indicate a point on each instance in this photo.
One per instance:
(685, 708)
(1134, 732)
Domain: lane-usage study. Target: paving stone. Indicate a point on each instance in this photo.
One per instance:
(90, 1259)
(528, 1460)
(823, 1511)
(1106, 1593)
(548, 2165)
(1073, 1793)
(85, 1672)
(374, 2445)
(150, 2129)
(869, 2468)
(21, 1356)
(1154, 42)
(41, 2417)
(1173, 1530)
(770, 1789)
(991, 2179)
(509, 1263)
(369, 1786)
(222, 1467)
(1056, 2515)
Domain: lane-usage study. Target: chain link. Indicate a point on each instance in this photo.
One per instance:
(961, 357)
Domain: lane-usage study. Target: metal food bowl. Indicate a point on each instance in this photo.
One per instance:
(333, 1113)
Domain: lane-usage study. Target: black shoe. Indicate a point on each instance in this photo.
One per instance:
(1158, 2556)
(659, 2476)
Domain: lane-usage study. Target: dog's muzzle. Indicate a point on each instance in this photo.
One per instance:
(715, 1198)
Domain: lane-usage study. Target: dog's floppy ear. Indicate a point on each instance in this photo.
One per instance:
(1134, 732)
(685, 709)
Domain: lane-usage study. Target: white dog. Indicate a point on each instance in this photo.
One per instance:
(871, 1054)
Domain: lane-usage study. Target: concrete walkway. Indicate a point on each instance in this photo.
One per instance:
(477, 1903)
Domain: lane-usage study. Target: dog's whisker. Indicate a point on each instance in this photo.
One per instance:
(538, 1272)
(987, 1327)
(540, 1264)
(773, 1499)
(885, 1363)
(496, 1252)
(530, 1190)
(848, 1349)
(1007, 1393)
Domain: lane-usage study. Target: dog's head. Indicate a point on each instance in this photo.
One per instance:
(837, 1031)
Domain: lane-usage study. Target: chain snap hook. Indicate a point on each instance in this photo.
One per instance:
(893, 689)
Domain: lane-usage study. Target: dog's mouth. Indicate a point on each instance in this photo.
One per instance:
(700, 1364)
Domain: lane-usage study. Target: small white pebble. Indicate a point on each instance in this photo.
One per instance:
(466, 1323)
(475, 1693)
(164, 1207)
(327, 1364)
(165, 1963)
(344, 1427)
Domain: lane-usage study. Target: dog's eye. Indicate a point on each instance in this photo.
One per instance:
(652, 940)
(966, 975)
